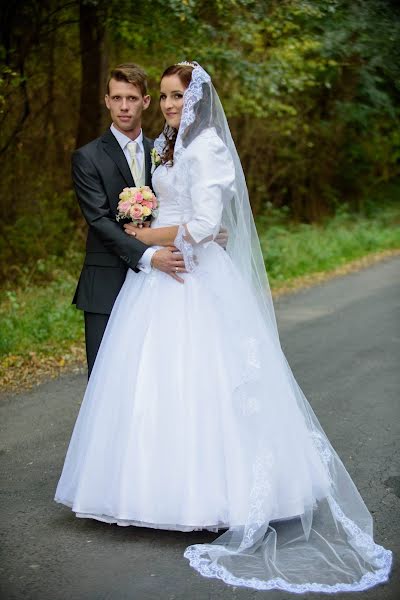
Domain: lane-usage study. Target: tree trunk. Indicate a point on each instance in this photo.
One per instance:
(92, 34)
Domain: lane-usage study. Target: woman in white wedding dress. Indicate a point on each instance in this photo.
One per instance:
(192, 418)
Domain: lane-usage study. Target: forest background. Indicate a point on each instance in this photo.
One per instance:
(311, 90)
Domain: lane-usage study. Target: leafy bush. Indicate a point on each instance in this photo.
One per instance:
(41, 242)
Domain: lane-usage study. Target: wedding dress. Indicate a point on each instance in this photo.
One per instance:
(192, 418)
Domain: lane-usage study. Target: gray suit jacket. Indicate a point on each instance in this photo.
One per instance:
(100, 172)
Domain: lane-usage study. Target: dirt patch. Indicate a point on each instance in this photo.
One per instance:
(22, 372)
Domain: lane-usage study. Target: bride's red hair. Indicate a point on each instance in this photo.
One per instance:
(184, 72)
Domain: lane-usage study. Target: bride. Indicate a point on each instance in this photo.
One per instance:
(192, 418)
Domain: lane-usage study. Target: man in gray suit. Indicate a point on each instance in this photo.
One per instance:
(100, 170)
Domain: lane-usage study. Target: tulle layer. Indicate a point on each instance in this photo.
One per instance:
(164, 430)
(335, 555)
(192, 420)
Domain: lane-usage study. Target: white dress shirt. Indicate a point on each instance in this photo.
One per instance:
(123, 140)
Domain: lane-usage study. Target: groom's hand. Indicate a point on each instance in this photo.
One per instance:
(222, 238)
(169, 261)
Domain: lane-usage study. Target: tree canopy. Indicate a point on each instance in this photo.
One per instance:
(311, 89)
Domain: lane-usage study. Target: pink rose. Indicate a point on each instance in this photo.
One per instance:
(147, 203)
(138, 197)
(136, 211)
(154, 203)
(124, 206)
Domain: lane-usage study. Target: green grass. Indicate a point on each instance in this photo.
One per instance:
(40, 318)
(295, 250)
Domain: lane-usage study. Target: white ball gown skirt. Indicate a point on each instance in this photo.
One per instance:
(158, 439)
(192, 420)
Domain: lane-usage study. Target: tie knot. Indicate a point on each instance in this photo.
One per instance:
(132, 146)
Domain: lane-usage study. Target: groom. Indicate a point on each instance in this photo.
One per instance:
(100, 170)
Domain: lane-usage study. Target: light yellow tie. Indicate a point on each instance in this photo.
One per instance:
(134, 166)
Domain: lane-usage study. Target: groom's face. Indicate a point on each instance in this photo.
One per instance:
(126, 105)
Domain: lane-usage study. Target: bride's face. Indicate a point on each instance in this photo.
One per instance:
(171, 100)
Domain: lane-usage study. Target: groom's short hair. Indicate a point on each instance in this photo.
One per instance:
(130, 73)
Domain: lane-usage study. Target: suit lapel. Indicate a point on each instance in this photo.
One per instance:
(114, 150)
(147, 145)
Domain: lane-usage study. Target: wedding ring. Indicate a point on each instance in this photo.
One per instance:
(176, 269)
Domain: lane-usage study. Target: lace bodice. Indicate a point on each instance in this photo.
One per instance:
(170, 210)
(195, 189)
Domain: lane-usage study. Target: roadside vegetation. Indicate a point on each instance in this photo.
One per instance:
(311, 89)
(42, 334)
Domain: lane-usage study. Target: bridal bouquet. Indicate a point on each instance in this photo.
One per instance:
(137, 204)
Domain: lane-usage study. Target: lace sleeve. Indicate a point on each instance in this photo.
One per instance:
(186, 247)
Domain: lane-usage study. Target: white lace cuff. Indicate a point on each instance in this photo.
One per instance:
(186, 248)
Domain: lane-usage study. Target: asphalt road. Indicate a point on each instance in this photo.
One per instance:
(343, 341)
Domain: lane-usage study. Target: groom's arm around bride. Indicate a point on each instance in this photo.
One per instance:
(100, 170)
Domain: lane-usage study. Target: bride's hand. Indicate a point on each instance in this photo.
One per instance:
(140, 232)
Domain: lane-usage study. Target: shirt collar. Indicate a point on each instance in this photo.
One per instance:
(123, 140)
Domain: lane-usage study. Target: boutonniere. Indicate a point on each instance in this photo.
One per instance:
(155, 160)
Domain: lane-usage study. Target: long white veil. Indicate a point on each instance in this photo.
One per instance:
(329, 547)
